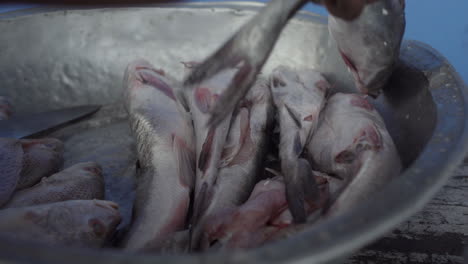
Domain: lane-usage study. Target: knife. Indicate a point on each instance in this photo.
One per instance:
(28, 125)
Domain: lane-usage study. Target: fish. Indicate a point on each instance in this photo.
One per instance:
(6, 109)
(166, 156)
(42, 157)
(353, 143)
(24, 162)
(11, 162)
(210, 140)
(260, 218)
(77, 223)
(242, 158)
(299, 96)
(370, 44)
(82, 181)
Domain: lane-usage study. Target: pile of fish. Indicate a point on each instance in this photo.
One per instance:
(42, 203)
(292, 152)
(289, 154)
(215, 172)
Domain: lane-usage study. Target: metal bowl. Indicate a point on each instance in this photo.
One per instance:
(56, 57)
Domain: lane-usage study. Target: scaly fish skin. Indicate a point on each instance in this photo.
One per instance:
(166, 157)
(82, 181)
(78, 223)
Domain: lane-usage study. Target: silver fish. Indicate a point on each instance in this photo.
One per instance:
(353, 143)
(24, 162)
(11, 161)
(166, 156)
(370, 44)
(42, 157)
(210, 140)
(82, 181)
(242, 157)
(79, 223)
(299, 96)
(6, 109)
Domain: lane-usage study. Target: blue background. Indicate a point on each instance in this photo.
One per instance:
(441, 24)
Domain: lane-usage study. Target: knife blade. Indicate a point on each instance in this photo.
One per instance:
(27, 125)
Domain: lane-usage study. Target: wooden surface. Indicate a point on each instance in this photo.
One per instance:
(438, 234)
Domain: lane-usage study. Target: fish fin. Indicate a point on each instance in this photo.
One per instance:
(182, 99)
(198, 208)
(185, 161)
(153, 78)
(294, 116)
(300, 188)
(228, 155)
(232, 144)
(203, 99)
(236, 154)
(244, 125)
(297, 145)
(206, 151)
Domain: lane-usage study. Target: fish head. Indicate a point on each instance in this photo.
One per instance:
(300, 95)
(103, 220)
(90, 220)
(370, 44)
(350, 129)
(146, 84)
(42, 157)
(365, 139)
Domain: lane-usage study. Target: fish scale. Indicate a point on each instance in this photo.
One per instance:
(166, 158)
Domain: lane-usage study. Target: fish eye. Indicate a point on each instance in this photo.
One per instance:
(345, 157)
(98, 227)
